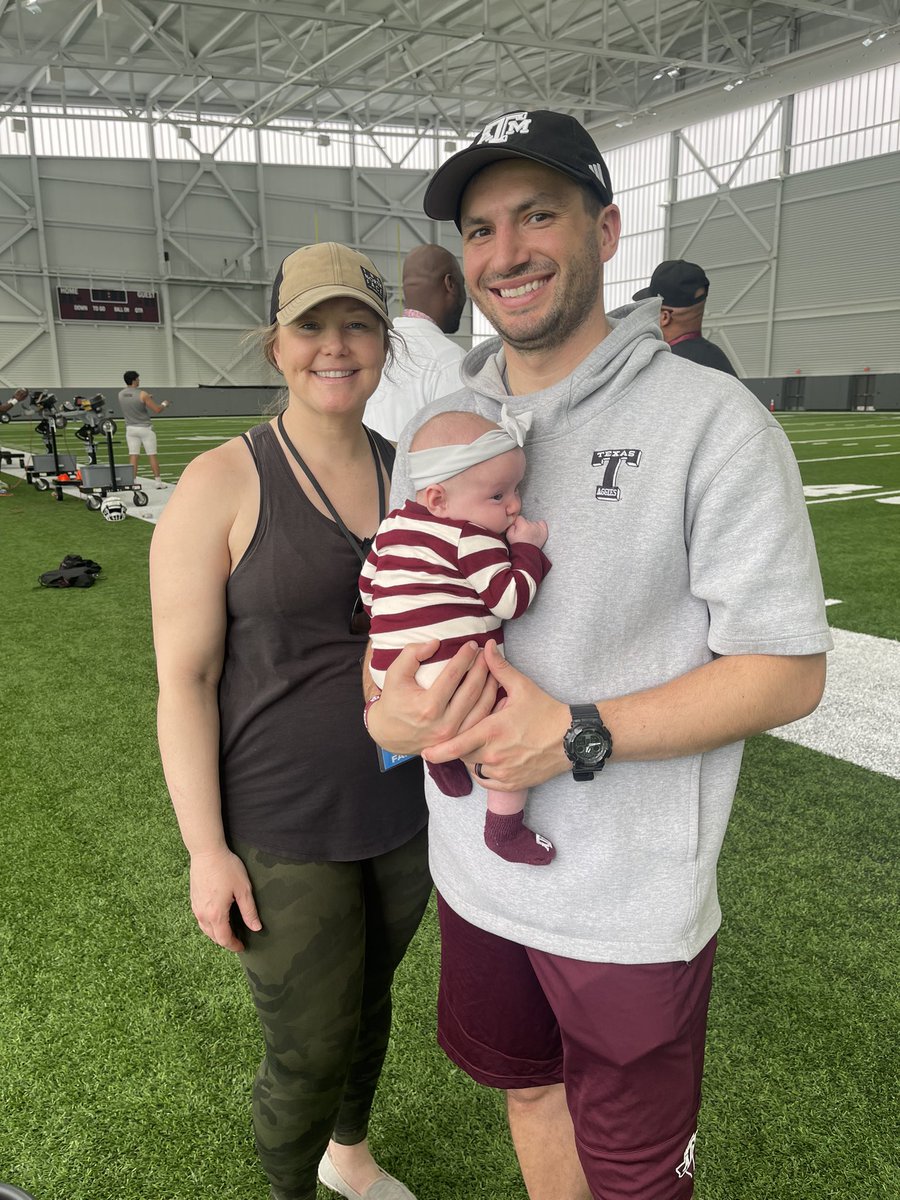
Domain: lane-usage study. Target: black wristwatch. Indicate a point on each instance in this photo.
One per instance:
(587, 742)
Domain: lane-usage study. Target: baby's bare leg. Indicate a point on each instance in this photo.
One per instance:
(506, 834)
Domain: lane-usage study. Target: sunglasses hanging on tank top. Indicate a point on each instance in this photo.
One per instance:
(359, 618)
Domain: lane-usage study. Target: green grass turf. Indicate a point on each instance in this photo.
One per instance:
(857, 539)
(129, 1043)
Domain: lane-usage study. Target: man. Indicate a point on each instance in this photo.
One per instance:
(683, 613)
(138, 408)
(18, 397)
(426, 364)
(684, 287)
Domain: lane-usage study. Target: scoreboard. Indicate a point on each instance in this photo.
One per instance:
(107, 304)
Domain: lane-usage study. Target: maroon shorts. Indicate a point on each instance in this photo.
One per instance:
(627, 1042)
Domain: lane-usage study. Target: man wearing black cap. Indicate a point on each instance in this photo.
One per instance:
(683, 287)
(683, 613)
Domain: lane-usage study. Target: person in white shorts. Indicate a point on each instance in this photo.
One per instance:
(138, 408)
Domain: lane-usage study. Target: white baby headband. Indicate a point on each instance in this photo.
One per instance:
(443, 462)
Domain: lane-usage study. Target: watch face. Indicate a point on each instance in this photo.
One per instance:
(590, 746)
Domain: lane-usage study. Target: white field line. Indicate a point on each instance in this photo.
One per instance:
(847, 457)
(856, 496)
(825, 431)
(857, 719)
(865, 438)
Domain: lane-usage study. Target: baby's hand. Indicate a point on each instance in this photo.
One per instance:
(532, 532)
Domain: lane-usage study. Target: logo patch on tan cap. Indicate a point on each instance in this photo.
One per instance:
(375, 284)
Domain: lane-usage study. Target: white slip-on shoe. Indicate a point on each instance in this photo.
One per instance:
(385, 1188)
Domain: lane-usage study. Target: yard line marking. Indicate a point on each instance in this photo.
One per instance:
(858, 496)
(858, 713)
(862, 438)
(892, 500)
(813, 491)
(848, 457)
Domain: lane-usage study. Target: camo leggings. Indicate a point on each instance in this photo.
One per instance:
(320, 973)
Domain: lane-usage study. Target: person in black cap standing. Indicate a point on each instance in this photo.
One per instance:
(684, 612)
(684, 287)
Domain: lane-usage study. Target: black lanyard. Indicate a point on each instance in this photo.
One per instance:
(361, 550)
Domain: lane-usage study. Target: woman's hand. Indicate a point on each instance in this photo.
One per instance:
(218, 880)
(408, 717)
(518, 746)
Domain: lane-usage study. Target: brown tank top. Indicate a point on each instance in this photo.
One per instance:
(299, 774)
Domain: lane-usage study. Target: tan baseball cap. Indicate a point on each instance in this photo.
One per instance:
(326, 271)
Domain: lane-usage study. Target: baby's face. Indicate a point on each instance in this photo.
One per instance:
(488, 493)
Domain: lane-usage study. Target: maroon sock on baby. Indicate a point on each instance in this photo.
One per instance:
(508, 836)
(451, 777)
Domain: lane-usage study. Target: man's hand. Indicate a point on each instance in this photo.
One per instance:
(532, 532)
(519, 745)
(407, 716)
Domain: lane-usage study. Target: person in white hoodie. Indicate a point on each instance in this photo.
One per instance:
(425, 363)
(684, 613)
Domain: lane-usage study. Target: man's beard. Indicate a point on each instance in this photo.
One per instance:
(569, 311)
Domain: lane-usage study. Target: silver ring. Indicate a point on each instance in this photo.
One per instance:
(479, 770)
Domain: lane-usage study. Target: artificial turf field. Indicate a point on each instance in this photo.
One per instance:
(128, 1042)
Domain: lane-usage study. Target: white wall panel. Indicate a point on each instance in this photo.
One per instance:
(103, 254)
(840, 344)
(230, 353)
(837, 292)
(25, 365)
(28, 296)
(842, 245)
(725, 235)
(97, 355)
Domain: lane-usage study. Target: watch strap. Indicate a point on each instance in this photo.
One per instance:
(586, 714)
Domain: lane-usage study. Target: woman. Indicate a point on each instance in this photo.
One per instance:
(305, 858)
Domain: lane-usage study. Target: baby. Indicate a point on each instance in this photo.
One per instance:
(452, 565)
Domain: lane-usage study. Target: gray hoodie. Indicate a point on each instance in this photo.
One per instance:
(678, 532)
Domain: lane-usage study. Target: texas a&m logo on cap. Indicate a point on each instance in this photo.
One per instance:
(503, 127)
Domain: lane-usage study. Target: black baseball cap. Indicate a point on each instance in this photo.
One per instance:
(680, 283)
(551, 138)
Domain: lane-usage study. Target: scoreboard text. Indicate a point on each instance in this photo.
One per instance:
(107, 304)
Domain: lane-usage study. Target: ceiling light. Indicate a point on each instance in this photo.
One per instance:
(659, 74)
(625, 119)
(732, 84)
(673, 71)
(32, 6)
(56, 75)
(868, 41)
(323, 140)
(878, 37)
(19, 125)
(184, 132)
